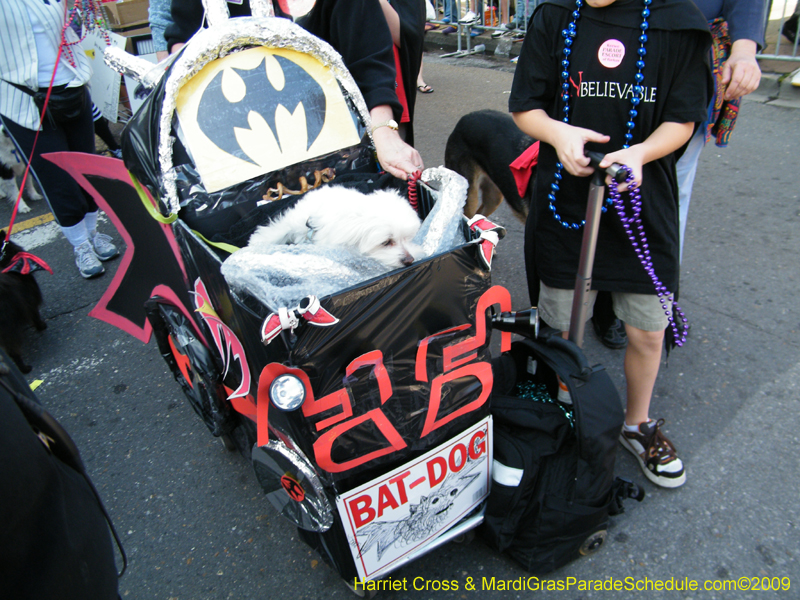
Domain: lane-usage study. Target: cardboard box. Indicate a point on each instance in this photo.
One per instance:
(126, 14)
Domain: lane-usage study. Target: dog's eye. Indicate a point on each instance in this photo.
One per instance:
(388, 243)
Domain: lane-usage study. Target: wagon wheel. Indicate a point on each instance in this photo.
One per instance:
(465, 538)
(292, 486)
(193, 367)
(205, 395)
(227, 442)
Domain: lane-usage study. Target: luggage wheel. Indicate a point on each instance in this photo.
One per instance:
(593, 543)
(465, 538)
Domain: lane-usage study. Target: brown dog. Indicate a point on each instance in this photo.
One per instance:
(481, 147)
(20, 298)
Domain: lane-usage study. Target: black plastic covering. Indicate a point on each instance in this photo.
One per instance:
(139, 140)
(392, 315)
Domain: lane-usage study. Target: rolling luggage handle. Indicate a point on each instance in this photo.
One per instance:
(526, 324)
(583, 281)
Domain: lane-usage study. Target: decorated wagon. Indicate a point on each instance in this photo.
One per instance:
(361, 396)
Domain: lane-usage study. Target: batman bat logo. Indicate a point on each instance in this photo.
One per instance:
(264, 99)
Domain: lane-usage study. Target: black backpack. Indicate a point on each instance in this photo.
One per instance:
(553, 485)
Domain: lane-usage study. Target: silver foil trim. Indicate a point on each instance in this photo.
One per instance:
(216, 12)
(441, 230)
(139, 69)
(324, 521)
(262, 8)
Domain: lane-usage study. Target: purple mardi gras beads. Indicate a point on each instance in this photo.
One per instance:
(635, 231)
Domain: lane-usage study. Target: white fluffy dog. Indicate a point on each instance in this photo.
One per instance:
(11, 168)
(379, 225)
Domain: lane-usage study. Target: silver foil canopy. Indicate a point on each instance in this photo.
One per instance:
(441, 230)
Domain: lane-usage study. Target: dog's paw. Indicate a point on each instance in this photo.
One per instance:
(23, 208)
(33, 194)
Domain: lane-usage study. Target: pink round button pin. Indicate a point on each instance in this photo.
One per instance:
(611, 53)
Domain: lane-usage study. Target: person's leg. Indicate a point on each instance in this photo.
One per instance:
(102, 130)
(421, 85)
(67, 201)
(645, 322)
(555, 309)
(64, 196)
(686, 169)
(642, 361)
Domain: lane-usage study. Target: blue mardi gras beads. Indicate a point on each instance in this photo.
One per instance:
(569, 35)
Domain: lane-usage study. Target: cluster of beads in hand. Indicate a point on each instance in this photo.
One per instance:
(635, 230)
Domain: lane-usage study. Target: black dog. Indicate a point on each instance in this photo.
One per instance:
(481, 148)
(20, 298)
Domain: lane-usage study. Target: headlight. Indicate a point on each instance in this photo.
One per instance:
(287, 392)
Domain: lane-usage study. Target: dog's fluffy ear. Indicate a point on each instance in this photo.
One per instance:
(310, 227)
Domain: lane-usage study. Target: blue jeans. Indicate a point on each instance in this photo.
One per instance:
(450, 12)
(686, 169)
(524, 11)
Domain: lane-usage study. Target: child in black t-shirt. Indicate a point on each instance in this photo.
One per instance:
(630, 79)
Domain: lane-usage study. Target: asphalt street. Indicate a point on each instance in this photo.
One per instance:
(194, 521)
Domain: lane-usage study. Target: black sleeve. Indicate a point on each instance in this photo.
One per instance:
(691, 85)
(746, 19)
(537, 74)
(357, 29)
(187, 17)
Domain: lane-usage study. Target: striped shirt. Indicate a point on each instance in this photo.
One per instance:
(19, 56)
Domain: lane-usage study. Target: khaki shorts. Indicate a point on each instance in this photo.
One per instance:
(643, 311)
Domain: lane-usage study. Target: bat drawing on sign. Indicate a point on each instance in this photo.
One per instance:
(262, 98)
(424, 518)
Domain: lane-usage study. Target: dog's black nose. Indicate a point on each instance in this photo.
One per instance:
(407, 260)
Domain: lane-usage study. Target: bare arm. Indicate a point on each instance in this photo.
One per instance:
(566, 139)
(394, 155)
(393, 21)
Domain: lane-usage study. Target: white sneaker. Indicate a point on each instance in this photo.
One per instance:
(103, 247)
(656, 454)
(503, 29)
(470, 17)
(796, 78)
(86, 261)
